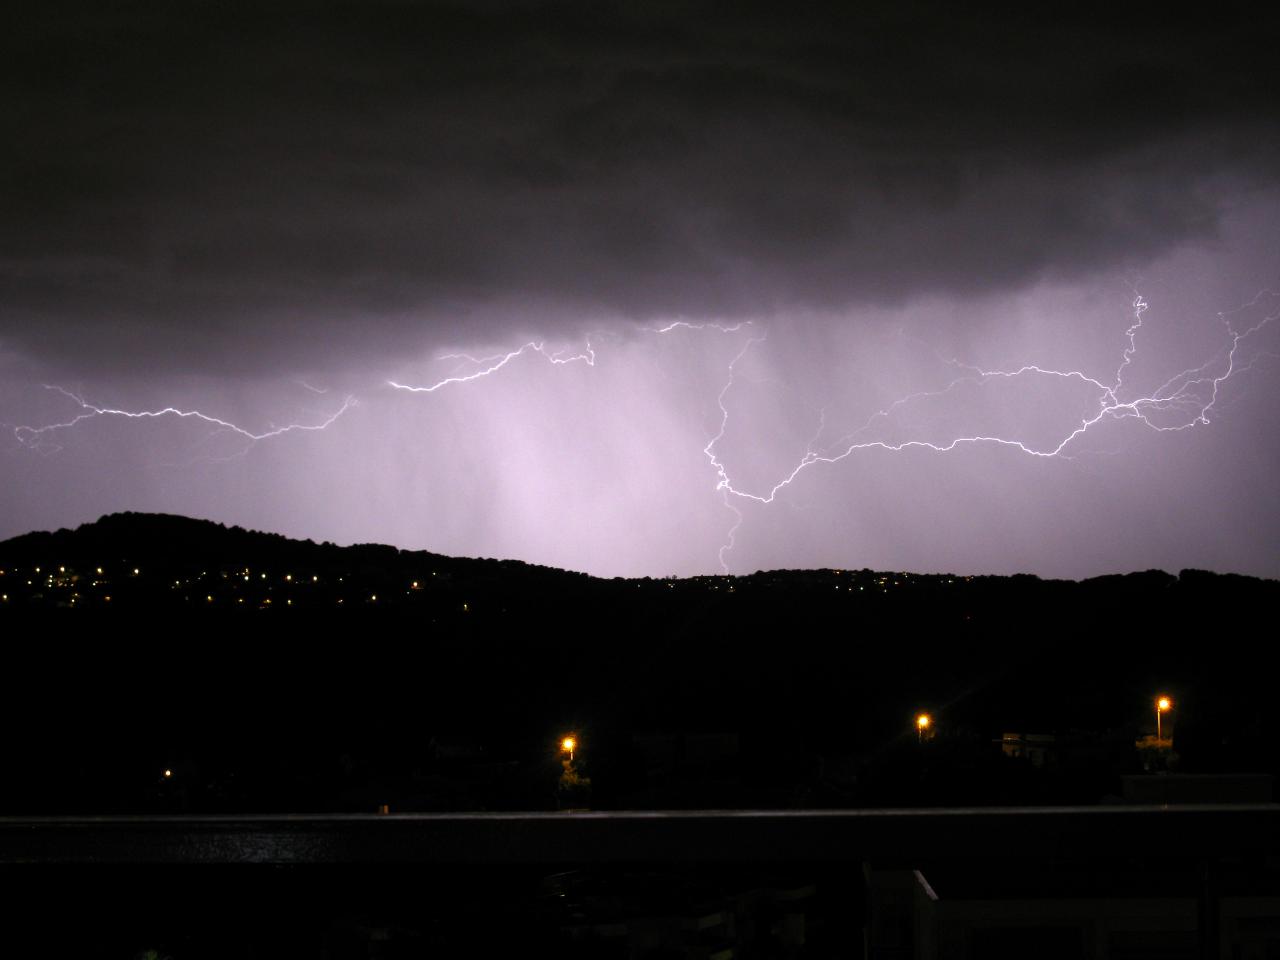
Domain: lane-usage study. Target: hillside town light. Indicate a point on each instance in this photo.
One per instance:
(1163, 705)
(568, 745)
(923, 723)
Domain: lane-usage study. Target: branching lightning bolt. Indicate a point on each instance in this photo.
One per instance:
(1193, 393)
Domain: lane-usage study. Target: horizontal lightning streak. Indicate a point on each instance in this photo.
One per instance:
(497, 362)
(33, 436)
(492, 364)
(686, 325)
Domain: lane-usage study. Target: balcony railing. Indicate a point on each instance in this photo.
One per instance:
(188, 865)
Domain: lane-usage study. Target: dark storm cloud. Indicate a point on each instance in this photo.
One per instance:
(221, 187)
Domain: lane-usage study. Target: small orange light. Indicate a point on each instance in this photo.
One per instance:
(568, 744)
(1164, 704)
(923, 721)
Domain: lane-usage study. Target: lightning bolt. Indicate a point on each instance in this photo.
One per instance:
(687, 325)
(1187, 399)
(1191, 395)
(35, 437)
(491, 365)
(723, 484)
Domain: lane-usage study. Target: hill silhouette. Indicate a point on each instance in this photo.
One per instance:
(288, 674)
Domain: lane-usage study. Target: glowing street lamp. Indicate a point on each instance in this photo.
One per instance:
(568, 745)
(923, 723)
(1163, 705)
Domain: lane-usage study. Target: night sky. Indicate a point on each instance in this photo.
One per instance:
(680, 286)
